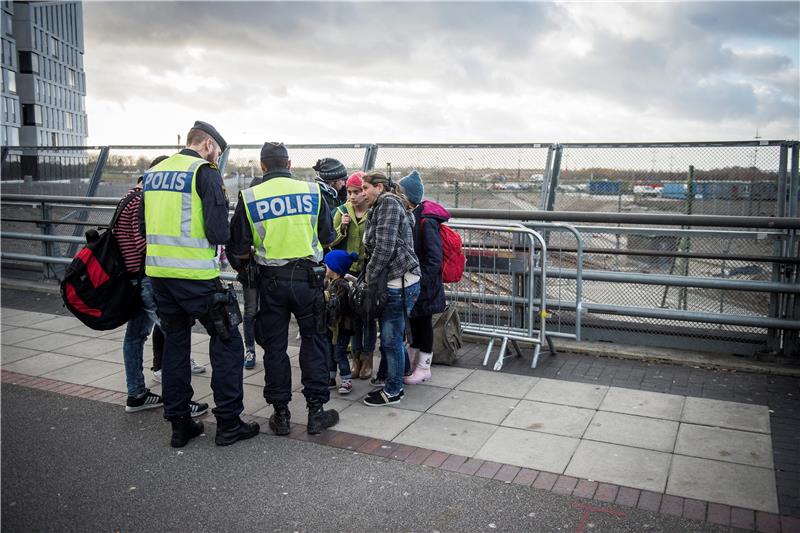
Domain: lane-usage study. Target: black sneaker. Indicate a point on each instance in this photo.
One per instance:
(197, 409)
(377, 392)
(184, 429)
(235, 429)
(320, 419)
(380, 398)
(332, 383)
(147, 400)
(279, 421)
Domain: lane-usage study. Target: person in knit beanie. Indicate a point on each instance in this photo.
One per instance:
(331, 175)
(412, 187)
(337, 264)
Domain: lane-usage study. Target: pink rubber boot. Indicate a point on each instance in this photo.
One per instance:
(422, 372)
(413, 357)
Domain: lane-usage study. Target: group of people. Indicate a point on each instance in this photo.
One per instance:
(298, 248)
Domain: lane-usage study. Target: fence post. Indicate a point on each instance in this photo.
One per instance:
(94, 183)
(791, 343)
(370, 155)
(774, 335)
(47, 229)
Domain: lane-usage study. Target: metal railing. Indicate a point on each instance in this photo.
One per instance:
(716, 273)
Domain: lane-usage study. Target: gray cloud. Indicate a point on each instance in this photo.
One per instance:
(436, 68)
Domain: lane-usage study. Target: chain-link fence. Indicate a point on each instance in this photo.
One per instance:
(629, 267)
(724, 179)
(495, 176)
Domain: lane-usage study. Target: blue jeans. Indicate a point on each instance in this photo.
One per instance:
(365, 335)
(393, 328)
(340, 356)
(136, 333)
(250, 310)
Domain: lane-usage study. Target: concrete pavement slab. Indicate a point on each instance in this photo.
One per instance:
(91, 348)
(20, 334)
(416, 398)
(295, 478)
(9, 354)
(567, 393)
(728, 445)
(731, 415)
(115, 382)
(51, 342)
(446, 376)
(474, 406)
(445, 434)
(24, 318)
(85, 372)
(529, 449)
(84, 331)
(114, 334)
(635, 431)
(550, 418)
(498, 384)
(42, 363)
(643, 403)
(60, 324)
(375, 422)
(728, 483)
(623, 465)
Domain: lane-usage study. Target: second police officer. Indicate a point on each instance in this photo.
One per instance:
(186, 217)
(287, 222)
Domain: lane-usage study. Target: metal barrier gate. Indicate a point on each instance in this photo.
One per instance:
(495, 296)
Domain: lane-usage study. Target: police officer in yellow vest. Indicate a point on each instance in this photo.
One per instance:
(186, 218)
(287, 223)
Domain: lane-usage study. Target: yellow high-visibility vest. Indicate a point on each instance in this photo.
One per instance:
(177, 246)
(283, 216)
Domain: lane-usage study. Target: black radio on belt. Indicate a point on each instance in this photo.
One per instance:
(316, 276)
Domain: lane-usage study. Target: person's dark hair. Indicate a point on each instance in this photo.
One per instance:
(153, 163)
(276, 163)
(157, 160)
(375, 177)
(197, 136)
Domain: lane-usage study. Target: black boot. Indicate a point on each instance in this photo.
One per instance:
(279, 421)
(183, 430)
(230, 430)
(319, 419)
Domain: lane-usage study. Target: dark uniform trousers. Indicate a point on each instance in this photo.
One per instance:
(179, 303)
(280, 295)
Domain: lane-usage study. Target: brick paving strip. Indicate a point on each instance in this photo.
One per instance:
(584, 489)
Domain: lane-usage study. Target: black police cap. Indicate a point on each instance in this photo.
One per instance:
(211, 130)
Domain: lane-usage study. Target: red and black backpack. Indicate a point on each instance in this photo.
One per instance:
(96, 287)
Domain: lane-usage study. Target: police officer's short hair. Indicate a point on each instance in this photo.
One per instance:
(197, 136)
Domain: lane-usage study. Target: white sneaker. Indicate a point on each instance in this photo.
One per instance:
(197, 369)
(157, 376)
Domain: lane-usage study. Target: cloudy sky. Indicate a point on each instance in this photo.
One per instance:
(442, 72)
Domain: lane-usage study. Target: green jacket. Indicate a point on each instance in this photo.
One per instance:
(354, 239)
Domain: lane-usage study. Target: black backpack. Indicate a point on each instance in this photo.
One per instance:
(96, 287)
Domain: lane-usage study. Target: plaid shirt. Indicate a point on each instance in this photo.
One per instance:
(388, 220)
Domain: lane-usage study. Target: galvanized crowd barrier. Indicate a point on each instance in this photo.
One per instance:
(495, 296)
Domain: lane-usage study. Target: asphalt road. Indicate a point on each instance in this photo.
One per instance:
(70, 464)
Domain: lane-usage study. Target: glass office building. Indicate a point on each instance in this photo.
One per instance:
(44, 88)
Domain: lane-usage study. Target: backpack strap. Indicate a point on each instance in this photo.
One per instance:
(137, 193)
(342, 209)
